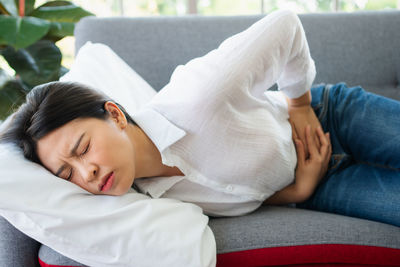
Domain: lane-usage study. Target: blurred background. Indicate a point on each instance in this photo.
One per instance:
(137, 8)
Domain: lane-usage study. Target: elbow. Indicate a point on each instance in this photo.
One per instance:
(290, 18)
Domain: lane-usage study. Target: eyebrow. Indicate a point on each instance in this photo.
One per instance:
(71, 153)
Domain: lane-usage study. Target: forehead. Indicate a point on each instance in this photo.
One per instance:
(55, 146)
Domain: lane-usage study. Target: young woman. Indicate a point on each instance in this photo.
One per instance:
(215, 136)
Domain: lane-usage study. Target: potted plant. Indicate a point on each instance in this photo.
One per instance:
(27, 42)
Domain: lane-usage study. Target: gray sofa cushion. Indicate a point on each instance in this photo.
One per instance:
(272, 227)
(17, 249)
(284, 226)
(51, 257)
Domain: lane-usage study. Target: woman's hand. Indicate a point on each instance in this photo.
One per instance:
(310, 170)
(301, 114)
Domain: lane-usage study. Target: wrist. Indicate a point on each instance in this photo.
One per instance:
(302, 194)
(304, 188)
(304, 100)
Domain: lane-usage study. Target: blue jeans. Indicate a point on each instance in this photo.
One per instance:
(363, 179)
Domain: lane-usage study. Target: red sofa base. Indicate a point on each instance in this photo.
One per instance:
(306, 255)
(312, 255)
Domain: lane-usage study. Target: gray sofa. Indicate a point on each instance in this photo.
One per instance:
(358, 48)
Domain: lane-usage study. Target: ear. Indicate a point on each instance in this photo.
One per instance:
(116, 114)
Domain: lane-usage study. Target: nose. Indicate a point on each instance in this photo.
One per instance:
(89, 172)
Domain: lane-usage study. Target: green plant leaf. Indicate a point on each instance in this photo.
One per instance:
(22, 32)
(59, 30)
(60, 11)
(12, 95)
(9, 7)
(57, 3)
(36, 64)
(63, 70)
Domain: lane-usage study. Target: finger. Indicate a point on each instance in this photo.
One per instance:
(328, 139)
(322, 136)
(323, 140)
(329, 142)
(328, 153)
(294, 132)
(299, 134)
(310, 143)
(317, 139)
(300, 151)
(305, 148)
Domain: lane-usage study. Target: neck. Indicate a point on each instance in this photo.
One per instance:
(147, 160)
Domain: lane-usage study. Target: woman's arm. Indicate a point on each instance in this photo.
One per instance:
(289, 194)
(301, 114)
(309, 171)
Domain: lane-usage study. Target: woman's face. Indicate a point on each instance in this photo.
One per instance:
(95, 154)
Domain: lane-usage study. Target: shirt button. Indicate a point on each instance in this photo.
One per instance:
(229, 188)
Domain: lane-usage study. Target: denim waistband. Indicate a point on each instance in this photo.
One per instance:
(320, 99)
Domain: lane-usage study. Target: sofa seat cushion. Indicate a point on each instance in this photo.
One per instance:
(281, 236)
(277, 236)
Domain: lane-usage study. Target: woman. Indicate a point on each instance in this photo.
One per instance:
(214, 137)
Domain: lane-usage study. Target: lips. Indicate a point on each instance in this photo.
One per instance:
(107, 181)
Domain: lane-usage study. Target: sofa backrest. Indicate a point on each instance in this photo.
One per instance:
(361, 48)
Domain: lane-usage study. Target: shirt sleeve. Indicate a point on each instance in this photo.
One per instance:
(272, 50)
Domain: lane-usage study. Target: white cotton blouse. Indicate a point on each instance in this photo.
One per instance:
(218, 123)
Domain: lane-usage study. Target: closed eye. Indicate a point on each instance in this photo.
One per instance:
(72, 170)
(86, 150)
(70, 175)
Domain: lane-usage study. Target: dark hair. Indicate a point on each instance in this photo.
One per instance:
(49, 106)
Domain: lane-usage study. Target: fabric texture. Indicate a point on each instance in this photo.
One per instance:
(273, 226)
(48, 258)
(121, 231)
(17, 249)
(221, 103)
(283, 236)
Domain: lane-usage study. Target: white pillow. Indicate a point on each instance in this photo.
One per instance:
(98, 66)
(130, 230)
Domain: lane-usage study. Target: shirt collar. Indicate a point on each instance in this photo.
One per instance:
(163, 134)
(160, 130)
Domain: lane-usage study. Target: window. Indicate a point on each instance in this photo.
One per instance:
(227, 7)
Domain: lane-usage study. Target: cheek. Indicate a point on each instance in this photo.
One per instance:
(81, 184)
(112, 151)
(102, 155)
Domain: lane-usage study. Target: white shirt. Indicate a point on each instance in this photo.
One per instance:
(216, 121)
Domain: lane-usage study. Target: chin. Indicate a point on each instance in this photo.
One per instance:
(119, 192)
